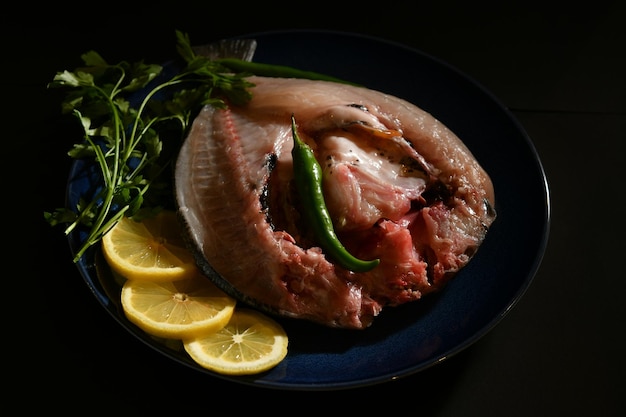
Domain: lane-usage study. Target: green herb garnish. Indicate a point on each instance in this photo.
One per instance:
(127, 141)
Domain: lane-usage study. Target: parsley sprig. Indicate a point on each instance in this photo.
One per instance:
(129, 113)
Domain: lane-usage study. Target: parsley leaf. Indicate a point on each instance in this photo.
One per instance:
(132, 144)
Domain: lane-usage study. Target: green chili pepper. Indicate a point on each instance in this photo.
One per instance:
(308, 177)
(271, 70)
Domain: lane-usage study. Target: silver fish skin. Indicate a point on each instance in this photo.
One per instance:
(399, 185)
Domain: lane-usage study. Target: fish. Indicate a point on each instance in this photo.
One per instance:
(398, 184)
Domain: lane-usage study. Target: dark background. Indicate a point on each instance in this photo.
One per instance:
(559, 351)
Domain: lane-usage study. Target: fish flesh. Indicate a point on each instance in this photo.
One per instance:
(399, 185)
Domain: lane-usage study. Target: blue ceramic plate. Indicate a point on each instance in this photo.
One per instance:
(411, 338)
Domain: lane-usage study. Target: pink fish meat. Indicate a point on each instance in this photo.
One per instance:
(399, 185)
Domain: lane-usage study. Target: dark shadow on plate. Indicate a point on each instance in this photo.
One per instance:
(309, 337)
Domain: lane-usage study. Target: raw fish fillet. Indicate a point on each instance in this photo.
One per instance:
(399, 185)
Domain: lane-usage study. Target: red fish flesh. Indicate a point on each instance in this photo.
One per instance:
(399, 185)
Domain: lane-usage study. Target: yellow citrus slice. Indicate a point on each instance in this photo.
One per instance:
(250, 343)
(152, 249)
(177, 309)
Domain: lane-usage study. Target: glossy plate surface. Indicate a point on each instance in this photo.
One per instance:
(407, 339)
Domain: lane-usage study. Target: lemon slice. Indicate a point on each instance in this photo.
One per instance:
(177, 309)
(152, 249)
(250, 343)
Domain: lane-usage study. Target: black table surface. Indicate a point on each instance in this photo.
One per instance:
(559, 351)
